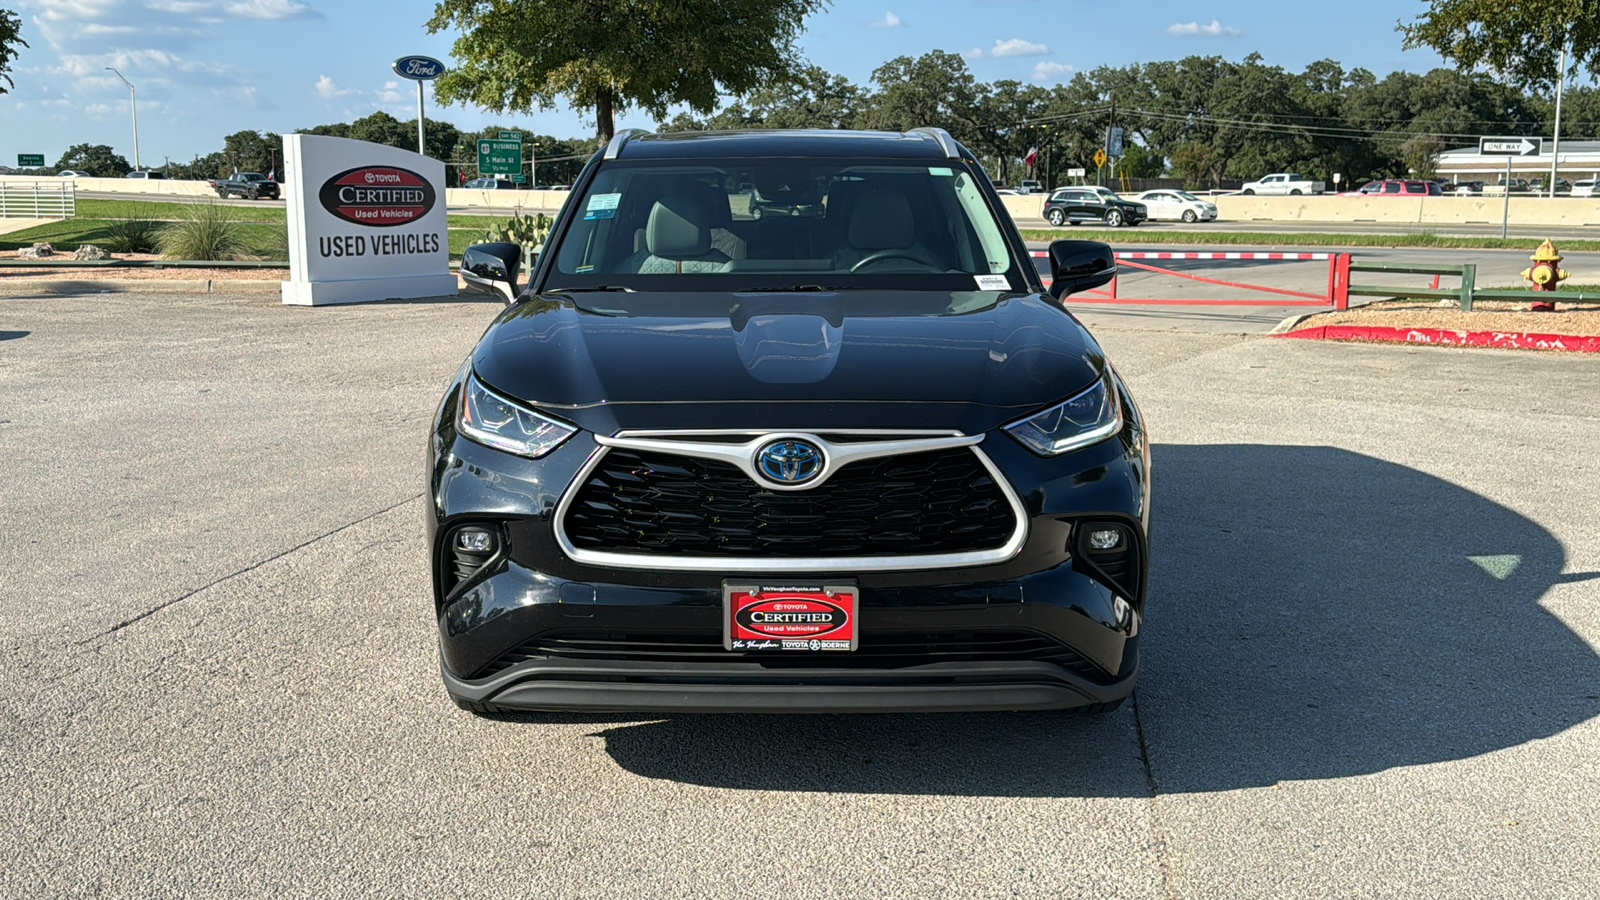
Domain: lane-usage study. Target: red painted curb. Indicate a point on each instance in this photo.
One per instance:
(1517, 340)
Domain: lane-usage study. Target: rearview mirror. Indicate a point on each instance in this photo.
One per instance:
(492, 268)
(1079, 266)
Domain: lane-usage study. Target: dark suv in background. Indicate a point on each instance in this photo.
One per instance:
(1075, 206)
(787, 421)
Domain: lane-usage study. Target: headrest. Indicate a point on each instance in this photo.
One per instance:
(680, 226)
(882, 221)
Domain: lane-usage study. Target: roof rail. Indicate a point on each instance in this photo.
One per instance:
(946, 142)
(614, 148)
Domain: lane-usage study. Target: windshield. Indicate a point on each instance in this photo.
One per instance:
(750, 224)
(1188, 196)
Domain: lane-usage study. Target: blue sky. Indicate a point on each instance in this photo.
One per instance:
(206, 68)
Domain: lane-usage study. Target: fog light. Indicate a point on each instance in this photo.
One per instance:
(1107, 539)
(475, 540)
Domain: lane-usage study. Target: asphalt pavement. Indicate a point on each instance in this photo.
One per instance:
(1369, 656)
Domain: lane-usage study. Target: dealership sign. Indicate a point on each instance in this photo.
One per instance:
(366, 222)
(418, 68)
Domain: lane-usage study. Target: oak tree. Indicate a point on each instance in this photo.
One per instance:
(10, 40)
(1521, 41)
(610, 55)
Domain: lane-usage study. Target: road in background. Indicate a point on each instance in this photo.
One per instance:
(1369, 665)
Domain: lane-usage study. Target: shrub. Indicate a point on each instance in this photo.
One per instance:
(133, 236)
(205, 231)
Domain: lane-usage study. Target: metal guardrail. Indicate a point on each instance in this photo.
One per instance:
(1464, 293)
(38, 200)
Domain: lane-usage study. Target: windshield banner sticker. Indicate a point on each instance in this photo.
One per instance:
(993, 283)
(602, 206)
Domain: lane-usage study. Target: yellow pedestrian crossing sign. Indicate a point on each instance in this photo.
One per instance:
(1099, 157)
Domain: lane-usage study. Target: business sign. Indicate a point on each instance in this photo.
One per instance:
(1115, 142)
(30, 160)
(1510, 146)
(1076, 173)
(499, 157)
(366, 222)
(418, 68)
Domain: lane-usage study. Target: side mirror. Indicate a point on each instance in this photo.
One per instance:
(1079, 266)
(492, 269)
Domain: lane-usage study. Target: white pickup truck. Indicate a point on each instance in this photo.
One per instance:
(1283, 183)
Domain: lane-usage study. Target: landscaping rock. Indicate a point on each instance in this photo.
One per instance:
(90, 251)
(37, 251)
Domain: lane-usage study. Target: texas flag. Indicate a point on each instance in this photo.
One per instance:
(1032, 157)
(272, 175)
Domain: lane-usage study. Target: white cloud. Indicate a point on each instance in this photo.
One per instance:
(889, 20)
(1012, 47)
(327, 89)
(1195, 29)
(391, 94)
(1044, 70)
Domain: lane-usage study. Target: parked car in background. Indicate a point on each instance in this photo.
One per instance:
(1585, 187)
(1397, 187)
(145, 174)
(249, 185)
(486, 183)
(1177, 206)
(1074, 206)
(1030, 187)
(73, 173)
(1007, 192)
(1465, 188)
(1283, 184)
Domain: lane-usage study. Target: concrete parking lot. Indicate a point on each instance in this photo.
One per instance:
(1370, 651)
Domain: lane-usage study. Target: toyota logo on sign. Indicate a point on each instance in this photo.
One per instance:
(379, 196)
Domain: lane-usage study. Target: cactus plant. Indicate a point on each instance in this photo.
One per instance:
(528, 231)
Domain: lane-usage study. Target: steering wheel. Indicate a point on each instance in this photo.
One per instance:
(891, 253)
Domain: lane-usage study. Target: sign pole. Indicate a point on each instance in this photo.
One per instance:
(422, 146)
(1555, 150)
(1505, 213)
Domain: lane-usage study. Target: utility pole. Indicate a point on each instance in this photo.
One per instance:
(1555, 149)
(133, 101)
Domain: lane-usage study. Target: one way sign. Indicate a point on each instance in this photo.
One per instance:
(1510, 146)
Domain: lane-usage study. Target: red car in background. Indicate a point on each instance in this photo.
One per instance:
(1395, 187)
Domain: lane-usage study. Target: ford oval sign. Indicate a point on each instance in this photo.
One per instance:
(418, 68)
(378, 196)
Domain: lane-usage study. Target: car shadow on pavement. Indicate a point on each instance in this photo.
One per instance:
(13, 335)
(1314, 613)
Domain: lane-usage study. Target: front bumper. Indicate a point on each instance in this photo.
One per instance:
(535, 630)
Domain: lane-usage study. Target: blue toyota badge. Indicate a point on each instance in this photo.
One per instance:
(790, 462)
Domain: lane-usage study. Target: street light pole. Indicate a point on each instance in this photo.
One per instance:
(1555, 149)
(133, 101)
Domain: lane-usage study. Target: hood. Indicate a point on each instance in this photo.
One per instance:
(861, 359)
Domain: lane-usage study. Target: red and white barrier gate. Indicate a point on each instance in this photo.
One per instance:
(1338, 279)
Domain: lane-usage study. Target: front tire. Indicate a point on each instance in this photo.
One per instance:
(252, 195)
(1189, 216)
(1056, 217)
(1114, 219)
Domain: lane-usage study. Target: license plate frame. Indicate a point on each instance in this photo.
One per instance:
(801, 634)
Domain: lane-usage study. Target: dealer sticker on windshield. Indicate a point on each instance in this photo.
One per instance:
(796, 617)
(993, 283)
(602, 206)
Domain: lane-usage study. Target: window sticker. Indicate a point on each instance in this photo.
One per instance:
(584, 269)
(940, 171)
(602, 206)
(993, 283)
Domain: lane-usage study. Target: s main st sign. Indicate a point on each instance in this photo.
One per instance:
(366, 222)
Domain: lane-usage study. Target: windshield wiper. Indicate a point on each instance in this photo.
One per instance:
(792, 288)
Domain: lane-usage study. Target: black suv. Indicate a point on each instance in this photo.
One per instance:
(249, 185)
(1074, 206)
(787, 421)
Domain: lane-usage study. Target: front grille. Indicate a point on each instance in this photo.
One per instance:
(877, 651)
(941, 501)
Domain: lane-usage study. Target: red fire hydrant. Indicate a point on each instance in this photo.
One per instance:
(1546, 274)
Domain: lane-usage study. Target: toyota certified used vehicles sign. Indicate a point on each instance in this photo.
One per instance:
(378, 196)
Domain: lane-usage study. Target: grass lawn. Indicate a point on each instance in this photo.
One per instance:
(69, 234)
(1127, 236)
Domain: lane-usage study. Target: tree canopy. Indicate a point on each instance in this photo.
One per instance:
(1521, 40)
(10, 40)
(607, 56)
(98, 160)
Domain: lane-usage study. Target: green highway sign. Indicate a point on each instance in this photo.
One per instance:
(30, 160)
(511, 136)
(499, 157)
(519, 179)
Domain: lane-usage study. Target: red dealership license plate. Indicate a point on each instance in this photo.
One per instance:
(789, 616)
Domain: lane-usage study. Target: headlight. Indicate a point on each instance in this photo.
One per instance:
(490, 419)
(1088, 418)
